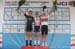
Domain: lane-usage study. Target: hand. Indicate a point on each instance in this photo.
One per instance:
(22, 11)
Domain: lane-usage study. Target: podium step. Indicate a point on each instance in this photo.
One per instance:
(35, 47)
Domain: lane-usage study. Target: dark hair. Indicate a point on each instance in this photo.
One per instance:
(44, 7)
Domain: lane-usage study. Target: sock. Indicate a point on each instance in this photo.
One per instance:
(26, 42)
(35, 42)
(30, 42)
(38, 42)
(46, 44)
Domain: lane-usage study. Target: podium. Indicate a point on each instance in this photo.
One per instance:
(35, 47)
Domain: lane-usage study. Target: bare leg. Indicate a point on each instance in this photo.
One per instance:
(26, 38)
(35, 37)
(46, 40)
(38, 35)
(30, 33)
(43, 40)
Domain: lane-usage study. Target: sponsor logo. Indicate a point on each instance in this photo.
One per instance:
(70, 3)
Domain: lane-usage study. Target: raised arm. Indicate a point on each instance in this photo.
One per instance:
(23, 12)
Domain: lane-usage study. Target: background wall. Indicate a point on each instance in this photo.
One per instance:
(72, 11)
(64, 39)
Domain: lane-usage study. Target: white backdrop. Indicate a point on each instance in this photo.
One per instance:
(72, 13)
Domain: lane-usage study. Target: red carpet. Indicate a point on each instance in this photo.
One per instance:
(35, 47)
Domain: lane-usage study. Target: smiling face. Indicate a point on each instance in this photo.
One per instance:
(29, 13)
(43, 14)
(36, 13)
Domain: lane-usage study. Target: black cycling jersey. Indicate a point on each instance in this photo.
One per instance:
(30, 19)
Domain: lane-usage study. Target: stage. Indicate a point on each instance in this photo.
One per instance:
(35, 47)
